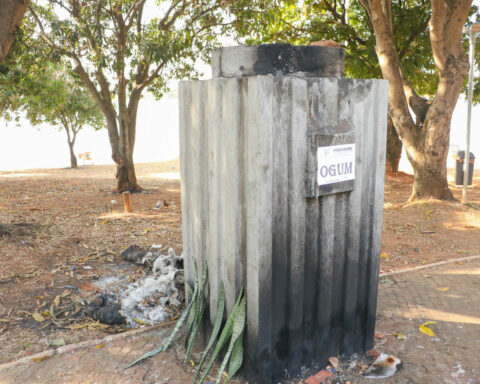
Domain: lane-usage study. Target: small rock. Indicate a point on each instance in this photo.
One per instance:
(105, 309)
(326, 43)
(134, 253)
(319, 377)
(334, 361)
(379, 335)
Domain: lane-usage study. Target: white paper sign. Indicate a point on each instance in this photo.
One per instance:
(336, 163)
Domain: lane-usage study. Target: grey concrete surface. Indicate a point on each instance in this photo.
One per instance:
(277, 59)
(307, 257)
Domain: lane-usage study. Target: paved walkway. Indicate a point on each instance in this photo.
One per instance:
(448, 294)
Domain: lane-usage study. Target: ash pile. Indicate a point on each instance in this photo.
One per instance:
(150, 299)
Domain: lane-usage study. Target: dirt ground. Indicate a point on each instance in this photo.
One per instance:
(430, 231)
(56, 222)
(62, 221)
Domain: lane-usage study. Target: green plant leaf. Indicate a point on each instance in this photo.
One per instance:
(192, 315)
(236, 360)
(215, 331)
(170, 339)
(237, 331)
(224, 337)
(200, 305)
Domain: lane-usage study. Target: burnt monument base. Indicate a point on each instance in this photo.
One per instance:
(255, 208)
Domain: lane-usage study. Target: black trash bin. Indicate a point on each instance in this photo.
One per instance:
(459, 160)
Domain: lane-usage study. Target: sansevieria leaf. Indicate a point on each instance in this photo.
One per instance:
(238, 327)
(224, 337)
(236, 360)
(200, 305)
(215, 331)
(192, 314)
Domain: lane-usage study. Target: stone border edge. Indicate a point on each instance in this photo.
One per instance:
(433, 265)
(49, 353)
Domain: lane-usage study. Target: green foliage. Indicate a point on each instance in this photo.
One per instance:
(215, 331)
(232, 333)
(345, 21)
(121, 48)
(148, 42)
(237, 334)
(37, 85)
(224, 338)
(198, 310)
(54, 97)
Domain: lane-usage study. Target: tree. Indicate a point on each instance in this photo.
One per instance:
(347, 22)
(426, 140)
(389, 39)
(119, 48)
(56, 98)
(11, 14)
(35, 83)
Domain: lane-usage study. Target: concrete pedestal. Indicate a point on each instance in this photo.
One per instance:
(306, 254)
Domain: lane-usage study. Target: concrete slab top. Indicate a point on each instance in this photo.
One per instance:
(277, 59)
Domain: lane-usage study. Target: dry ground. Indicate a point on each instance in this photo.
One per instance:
(425, 232)
(68, 221)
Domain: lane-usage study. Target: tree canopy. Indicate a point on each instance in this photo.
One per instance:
(11, 15)
(119, 48)
(401, 48)
(40, 87)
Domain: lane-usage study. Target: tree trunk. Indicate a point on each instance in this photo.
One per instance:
(121, 131)
(426, 141)
(122, 155)
(394, 148)
(126, 178)
(73, 158)
(430, 181)
(11, 15)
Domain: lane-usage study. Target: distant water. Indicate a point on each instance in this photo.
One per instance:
(27, 147)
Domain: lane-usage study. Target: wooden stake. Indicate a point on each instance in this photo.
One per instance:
(127, 202)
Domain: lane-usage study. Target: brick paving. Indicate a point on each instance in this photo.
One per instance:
(405, 301)
(448, 294)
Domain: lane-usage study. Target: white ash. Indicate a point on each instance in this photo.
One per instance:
(146, 300)
(164, 263)
(108, 283)
(153, 289)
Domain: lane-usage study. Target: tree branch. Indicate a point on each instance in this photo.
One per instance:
(162, 25)
(389, 65)
(415, 33)
(137, 7)
(340, 18)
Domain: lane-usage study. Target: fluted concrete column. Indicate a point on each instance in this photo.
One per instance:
(265, 203)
